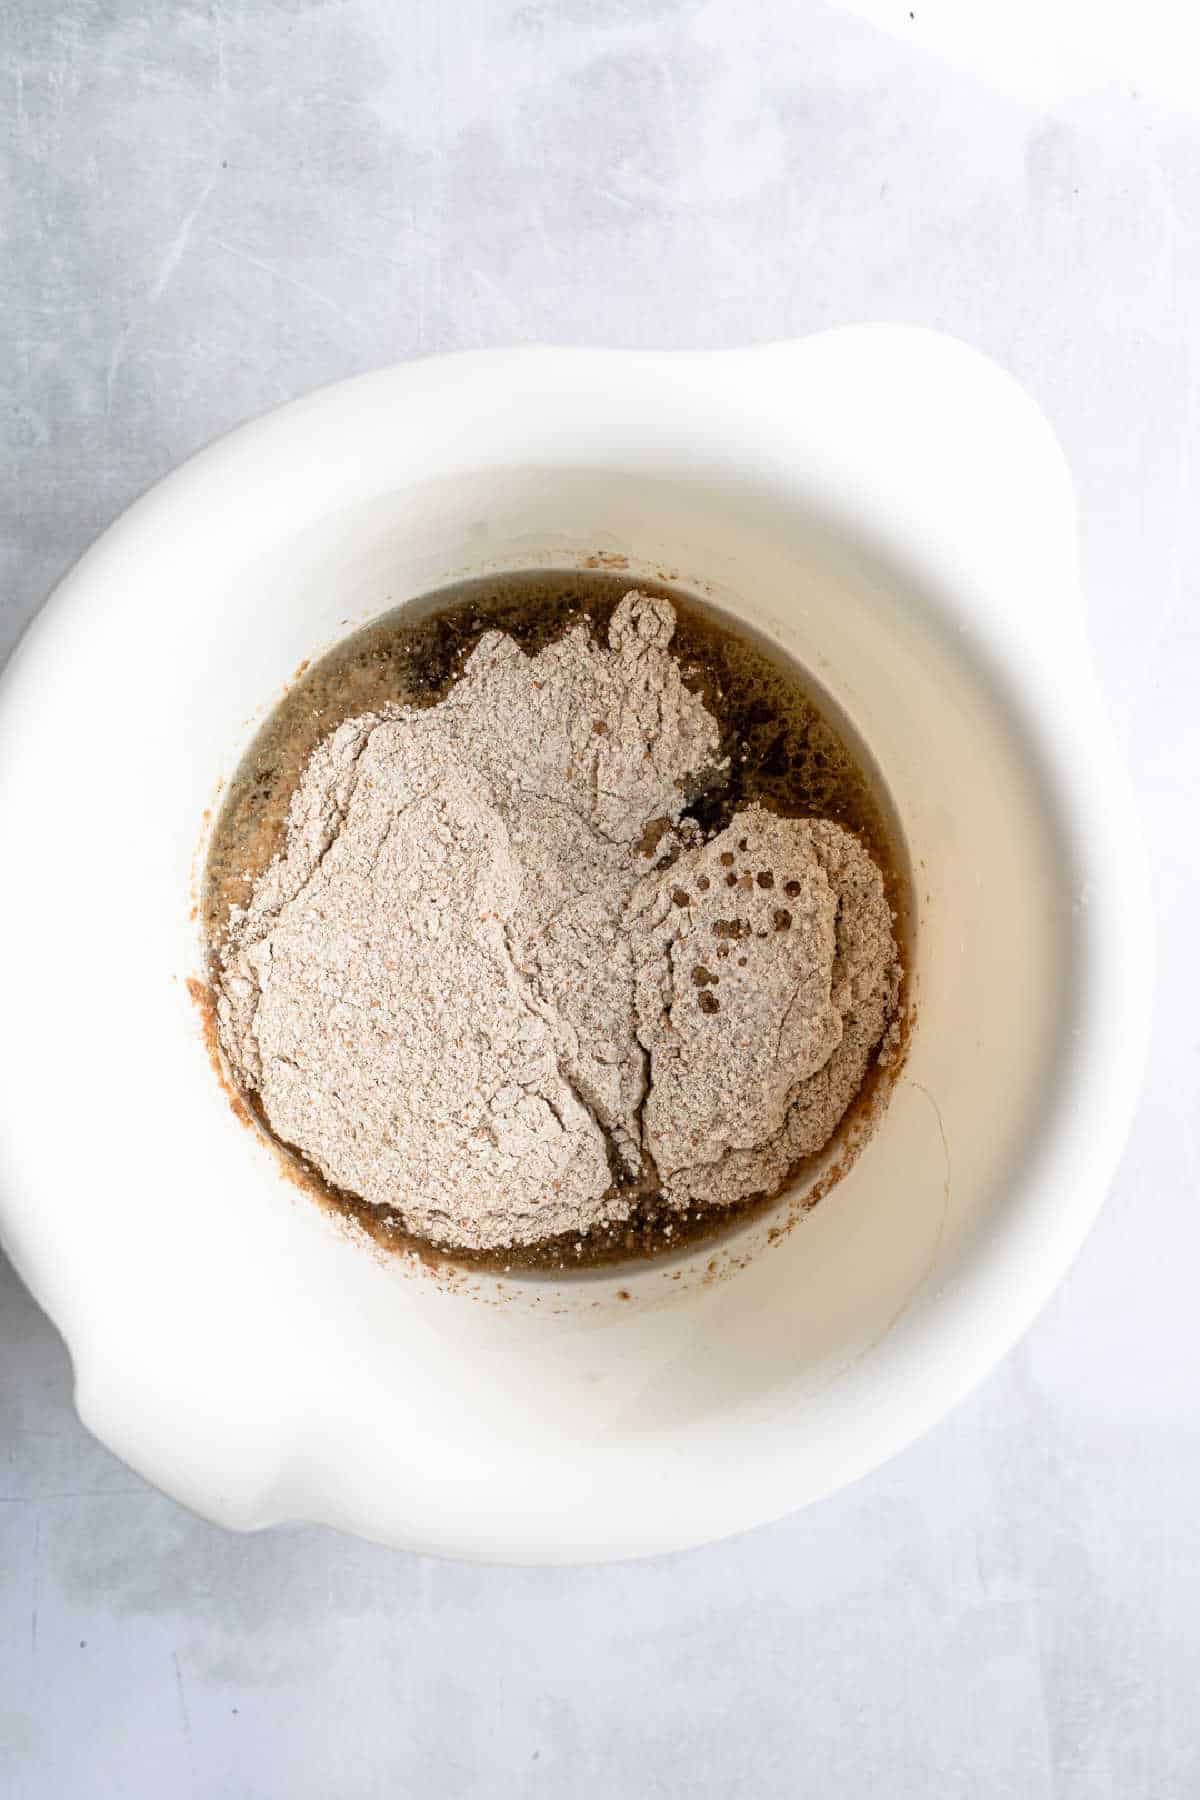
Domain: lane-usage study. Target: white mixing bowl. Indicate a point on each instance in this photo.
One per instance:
(893, 511)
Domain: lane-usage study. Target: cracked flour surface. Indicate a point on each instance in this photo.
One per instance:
(494, 967)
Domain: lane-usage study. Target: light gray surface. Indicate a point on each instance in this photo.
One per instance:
(208, 209)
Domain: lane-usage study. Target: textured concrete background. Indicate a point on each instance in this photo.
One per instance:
(209, 207)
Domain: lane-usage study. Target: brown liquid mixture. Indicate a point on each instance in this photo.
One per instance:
(783, 750)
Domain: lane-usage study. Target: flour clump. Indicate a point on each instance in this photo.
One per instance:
(496, 979)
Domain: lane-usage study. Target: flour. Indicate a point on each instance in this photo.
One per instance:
(468, 991)
(766, 975)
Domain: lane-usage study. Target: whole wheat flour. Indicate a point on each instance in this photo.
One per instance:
(494, 968)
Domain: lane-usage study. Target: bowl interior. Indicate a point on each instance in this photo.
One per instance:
(656, 1349)
(533, 1417)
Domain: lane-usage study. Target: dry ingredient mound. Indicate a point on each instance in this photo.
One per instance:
(494, 978)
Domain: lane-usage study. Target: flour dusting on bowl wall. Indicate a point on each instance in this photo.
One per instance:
(843, 509)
